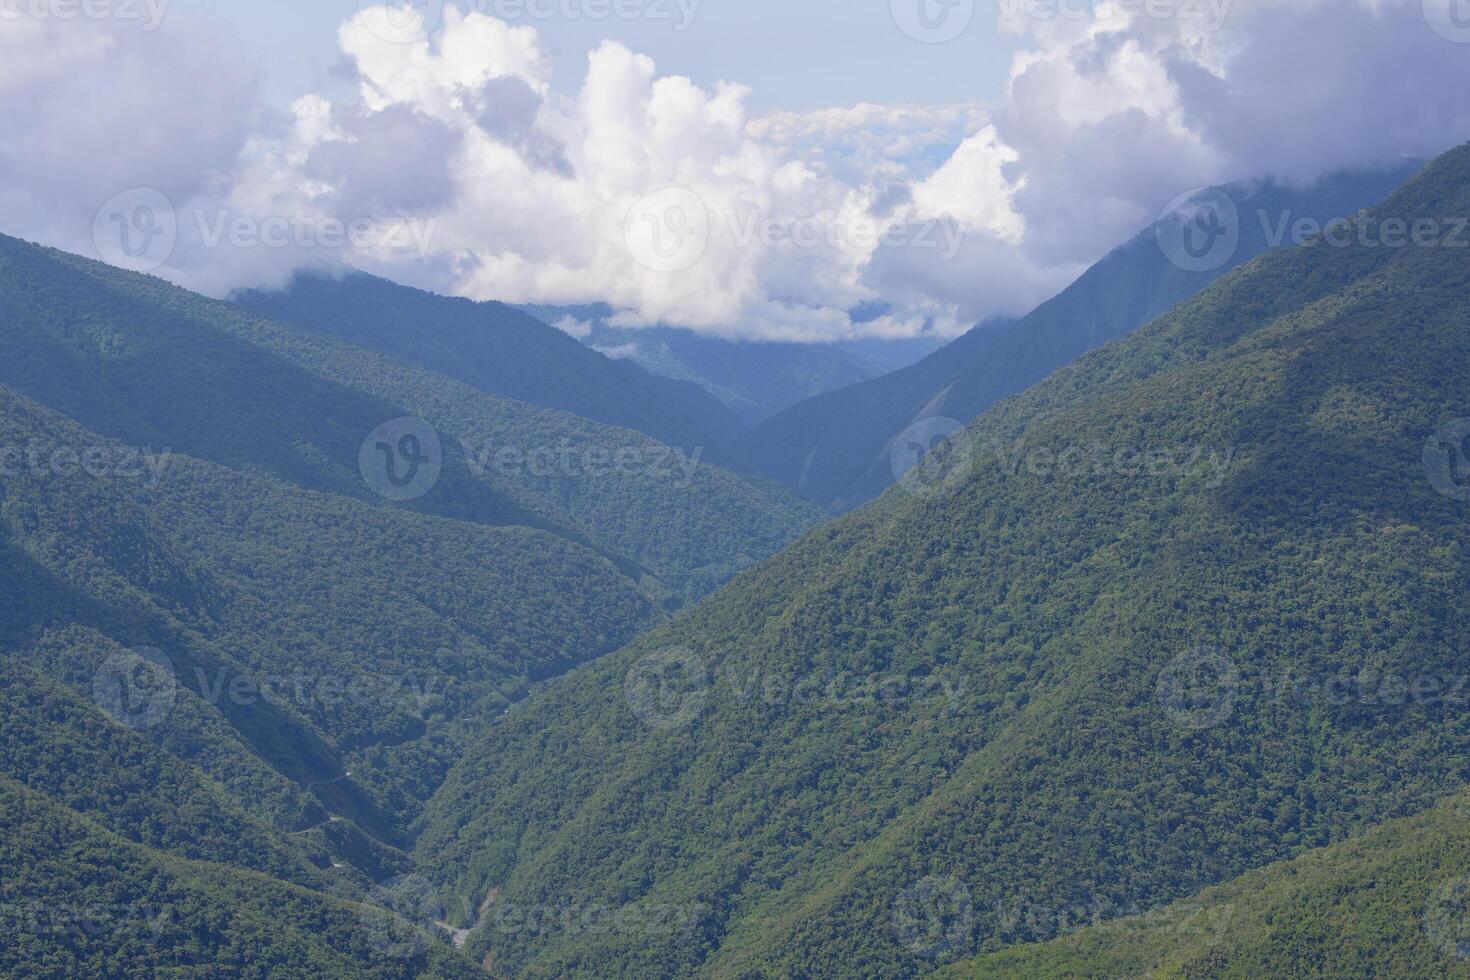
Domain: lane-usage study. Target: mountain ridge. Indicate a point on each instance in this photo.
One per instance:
(1056, 601)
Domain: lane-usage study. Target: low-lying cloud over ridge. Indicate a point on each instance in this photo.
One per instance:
(450, 161)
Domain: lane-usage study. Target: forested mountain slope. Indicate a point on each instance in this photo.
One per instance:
(229, 637)
(1389, 903)
(1147, 626)
(81, 902)
(837, 449)
(502, 351)
(143, 362)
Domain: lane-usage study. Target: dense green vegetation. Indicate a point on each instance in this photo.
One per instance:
(1390, 903)
(140, 361)
(835, 448)
(503, 351)
(1249, 508)
(76, 901)
(228, 660)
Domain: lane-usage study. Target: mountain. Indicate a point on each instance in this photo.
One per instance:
(501, 351)
(1388, 903)
(261, 589)
(756, 379)
(136, 360)
(1192, 605)
(97, 905)
(841, 449)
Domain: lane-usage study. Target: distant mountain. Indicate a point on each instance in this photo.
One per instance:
(1388, 903)
(755, 379)
(1191, 606)
(260, 587)
(502, 351)
(138, 361)
(838, 449)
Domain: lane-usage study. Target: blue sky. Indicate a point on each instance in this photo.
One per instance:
(552, 160)
(794, 54)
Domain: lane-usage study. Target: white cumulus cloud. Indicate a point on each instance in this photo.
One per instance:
(451, 162)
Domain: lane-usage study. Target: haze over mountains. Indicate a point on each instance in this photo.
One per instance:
(501, 351)
(839, 449)
(349, 629)
(251, 660)
(755, 379)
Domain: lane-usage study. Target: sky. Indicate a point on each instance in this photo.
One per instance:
(761, 170)
(794, 54)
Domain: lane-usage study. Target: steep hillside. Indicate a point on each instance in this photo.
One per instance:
(247, 623)
(838, 448)
(135, 359)
(1191, 606)
(234, 575)
(501, 351)
(1389, 903)
(80, 902)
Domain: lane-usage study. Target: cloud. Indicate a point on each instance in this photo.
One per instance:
(450, 162)
(92, 107)
(1112, 115)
